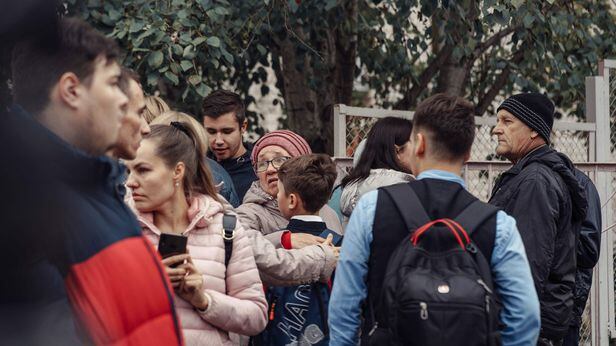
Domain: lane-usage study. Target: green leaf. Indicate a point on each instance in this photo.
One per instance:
(330, 4)
(194, 79)
(221, 11)
(136, 26)
(206, 4)
(189, 52)
(261, 50)
(155, 59)
(203, 90)
(152, 79)
(197, 41)
(172, 78)
(186, 65)
(213, 41)
(227, 56)
(517, 3)
(528, 21)
(114, 15)
(293, 6)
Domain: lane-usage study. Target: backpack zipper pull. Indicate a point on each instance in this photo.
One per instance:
(487, 303)
(424, 310)
(485, 287)
(376, 325)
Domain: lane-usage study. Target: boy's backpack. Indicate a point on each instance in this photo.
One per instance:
(438, 287)
(297, 315)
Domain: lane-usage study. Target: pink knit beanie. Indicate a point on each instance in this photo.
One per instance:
(288, 140)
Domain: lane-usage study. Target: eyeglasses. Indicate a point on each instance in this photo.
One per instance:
(261, 166)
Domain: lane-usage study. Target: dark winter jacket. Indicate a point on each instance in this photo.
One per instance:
(75, 249)
(542, 193)
(588, 246)
(241, 171)
(227, 189)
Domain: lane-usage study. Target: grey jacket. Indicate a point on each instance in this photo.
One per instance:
(380, 177)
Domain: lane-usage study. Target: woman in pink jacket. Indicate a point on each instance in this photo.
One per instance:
(173, 193)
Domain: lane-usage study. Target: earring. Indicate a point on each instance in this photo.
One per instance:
(177, 184)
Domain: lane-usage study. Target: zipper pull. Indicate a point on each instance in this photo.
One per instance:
(484, 285)
(424, 310)
(376, 325)
(487, 303)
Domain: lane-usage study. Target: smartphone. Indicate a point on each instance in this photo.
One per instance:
(337, 238)
(171, 244)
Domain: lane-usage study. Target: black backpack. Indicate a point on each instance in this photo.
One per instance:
(438, 287)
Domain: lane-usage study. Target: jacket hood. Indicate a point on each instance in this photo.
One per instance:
(377, 178)
(201, 212)
(562, 165)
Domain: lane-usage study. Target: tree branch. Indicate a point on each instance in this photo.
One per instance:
(424, 78)
(496, 38)
(499, 83)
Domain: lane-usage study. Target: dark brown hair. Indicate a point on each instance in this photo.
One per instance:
(450, 122)
(312, 177)
(125, 77)
(221, 102)
(380, 149)
(37, 66)
(179, 143)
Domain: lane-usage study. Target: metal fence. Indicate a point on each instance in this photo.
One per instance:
(590, 145)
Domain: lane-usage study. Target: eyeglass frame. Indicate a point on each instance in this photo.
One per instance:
(268, 162)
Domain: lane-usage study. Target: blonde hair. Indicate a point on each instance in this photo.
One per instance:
(167, 117)
(154, 106)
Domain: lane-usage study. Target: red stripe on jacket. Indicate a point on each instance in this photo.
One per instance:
(122, 296)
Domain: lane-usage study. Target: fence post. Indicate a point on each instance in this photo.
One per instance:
(602, 293)
(339, 132)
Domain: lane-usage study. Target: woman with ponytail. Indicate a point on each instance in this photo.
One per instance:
(173, 192)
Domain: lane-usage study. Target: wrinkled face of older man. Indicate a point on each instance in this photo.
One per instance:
(515, 138)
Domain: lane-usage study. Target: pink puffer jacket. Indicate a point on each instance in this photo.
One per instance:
(238, 303)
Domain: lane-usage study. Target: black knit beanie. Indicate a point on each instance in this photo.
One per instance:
(534, 109)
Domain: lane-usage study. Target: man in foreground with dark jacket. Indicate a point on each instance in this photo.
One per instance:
(81, 271)
(542, 193)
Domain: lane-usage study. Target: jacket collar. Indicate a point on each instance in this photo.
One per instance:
(201, 212)
(530, 156)
(61, 159)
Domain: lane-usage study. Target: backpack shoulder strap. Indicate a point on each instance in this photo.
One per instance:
(471, 218)
(228, 228)
(408, 204)
(474, 215)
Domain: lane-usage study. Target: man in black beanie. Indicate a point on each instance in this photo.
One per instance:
(542, 193)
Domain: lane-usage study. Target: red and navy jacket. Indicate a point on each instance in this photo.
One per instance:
(83, 233)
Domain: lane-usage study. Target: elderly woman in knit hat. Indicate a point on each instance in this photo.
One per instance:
(260, 208)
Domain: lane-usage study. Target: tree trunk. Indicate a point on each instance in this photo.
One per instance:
(309, 109)
(452, 78)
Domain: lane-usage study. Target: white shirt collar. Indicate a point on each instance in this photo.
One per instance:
(308, 218)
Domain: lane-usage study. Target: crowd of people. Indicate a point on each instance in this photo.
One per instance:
(399, 253)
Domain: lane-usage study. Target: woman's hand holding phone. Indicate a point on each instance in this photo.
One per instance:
(174, 269)
(191, 287)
